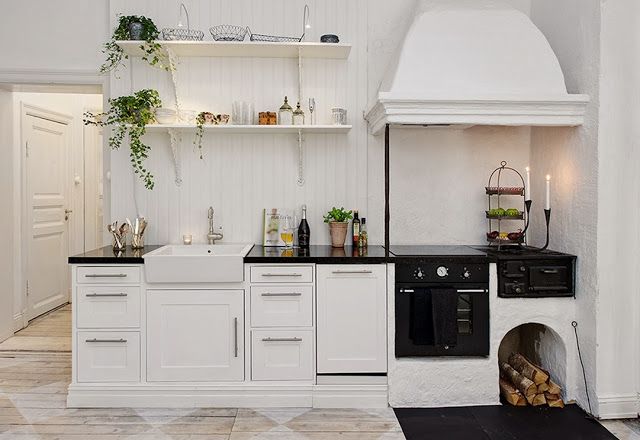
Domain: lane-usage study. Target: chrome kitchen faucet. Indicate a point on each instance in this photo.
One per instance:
(213, 236)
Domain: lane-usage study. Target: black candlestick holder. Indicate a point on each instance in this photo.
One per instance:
(547, 219)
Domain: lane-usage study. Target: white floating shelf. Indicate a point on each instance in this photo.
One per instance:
(256, 129)
(258, 49)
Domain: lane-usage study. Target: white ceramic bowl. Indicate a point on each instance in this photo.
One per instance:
(188, 116)
(165, 116)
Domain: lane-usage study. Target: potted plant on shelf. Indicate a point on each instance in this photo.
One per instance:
(338, 220)
(138, 28)
(130, 116)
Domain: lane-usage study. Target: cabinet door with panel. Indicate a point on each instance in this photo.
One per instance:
(195, 335)
(351, 318)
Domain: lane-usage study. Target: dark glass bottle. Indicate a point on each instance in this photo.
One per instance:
(355, 229)
(304, 232)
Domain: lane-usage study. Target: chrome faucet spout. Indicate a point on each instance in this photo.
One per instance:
(212, 236)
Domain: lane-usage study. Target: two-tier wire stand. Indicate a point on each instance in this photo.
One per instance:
(507, 207)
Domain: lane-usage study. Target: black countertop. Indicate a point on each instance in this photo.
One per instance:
(317, 254)
(259, 254)
(106, 255)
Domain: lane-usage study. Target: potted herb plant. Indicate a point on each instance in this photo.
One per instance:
(130, 116)
(139, 28)
(338, 220)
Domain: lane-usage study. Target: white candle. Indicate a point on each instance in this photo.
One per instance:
(187, 239)
(548, 201)
(527, 189)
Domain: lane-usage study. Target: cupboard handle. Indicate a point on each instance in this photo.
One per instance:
(549, 271)
(99, 295)
(282, 294)
(235, 337)
(106, 340)
(106, 275)
(281, 339)
(281, 274)
(353, 271)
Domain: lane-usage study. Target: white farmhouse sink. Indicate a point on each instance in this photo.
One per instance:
(219, 263)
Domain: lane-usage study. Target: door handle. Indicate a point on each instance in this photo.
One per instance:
(352, 271)
(549, 271)
(281, 339)
(106, 340)
(104, 295)
(281, 274)
(282, 294)
(472, 291)
(106, 275)
(235, 337)
(66, 214)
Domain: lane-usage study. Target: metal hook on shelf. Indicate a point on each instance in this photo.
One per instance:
(186, 13)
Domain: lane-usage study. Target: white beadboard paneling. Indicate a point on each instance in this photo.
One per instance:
(242, 174)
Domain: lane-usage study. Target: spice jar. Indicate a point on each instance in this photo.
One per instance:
(298, 116)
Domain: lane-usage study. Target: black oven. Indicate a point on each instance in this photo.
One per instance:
(442, 308)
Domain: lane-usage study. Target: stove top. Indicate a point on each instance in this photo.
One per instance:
(435, 251)
(515, 252)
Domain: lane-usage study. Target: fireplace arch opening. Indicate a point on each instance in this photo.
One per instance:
(542, 346)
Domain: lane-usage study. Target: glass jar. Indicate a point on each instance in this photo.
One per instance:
(285, 115)
(298, 116)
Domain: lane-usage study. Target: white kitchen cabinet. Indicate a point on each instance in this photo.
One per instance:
(282, 306)
(351, 319)
(195, 335)
(108, 356)
(282, 354)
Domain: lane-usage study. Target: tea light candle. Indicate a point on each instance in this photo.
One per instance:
(186, 239)
(548, 200)
(527, 190)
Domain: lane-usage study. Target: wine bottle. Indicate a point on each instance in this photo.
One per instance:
(355, 228)
(304, 233)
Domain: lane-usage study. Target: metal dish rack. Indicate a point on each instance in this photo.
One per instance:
(496, 192)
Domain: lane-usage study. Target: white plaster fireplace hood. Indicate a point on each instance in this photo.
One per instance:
(474, 62)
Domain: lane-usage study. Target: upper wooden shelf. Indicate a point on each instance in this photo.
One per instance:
(257, 49)
(257, 129)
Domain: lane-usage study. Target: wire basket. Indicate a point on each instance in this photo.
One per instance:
(228, 32)
(274, 38)
(181, 34)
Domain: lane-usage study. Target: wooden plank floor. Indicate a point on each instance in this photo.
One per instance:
(35, 370)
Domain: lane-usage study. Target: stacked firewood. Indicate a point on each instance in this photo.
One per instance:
(522, 382)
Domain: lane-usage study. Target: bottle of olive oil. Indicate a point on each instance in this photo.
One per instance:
(363, 239)
(355, 228)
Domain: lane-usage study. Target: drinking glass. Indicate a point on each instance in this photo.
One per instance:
(286, 231)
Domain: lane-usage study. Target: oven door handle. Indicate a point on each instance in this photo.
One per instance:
(457, 291)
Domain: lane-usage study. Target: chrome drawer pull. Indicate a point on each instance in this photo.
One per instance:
(472, 291)
(106, 275)
(282, 294)
(353, 271)
(104, 295)
(106, 340)
(281, 339)
(281, 274)
(235, 337)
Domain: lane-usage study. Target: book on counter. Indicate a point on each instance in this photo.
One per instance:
(272, 226)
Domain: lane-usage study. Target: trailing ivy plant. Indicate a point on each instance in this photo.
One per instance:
(153, 53)
(200, 119)
(130, 115)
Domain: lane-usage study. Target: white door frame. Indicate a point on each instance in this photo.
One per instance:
(61, 118)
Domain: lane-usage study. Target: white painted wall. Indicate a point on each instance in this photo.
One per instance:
(618, 328)
(7, 269)
(73, 105)
(571, 156)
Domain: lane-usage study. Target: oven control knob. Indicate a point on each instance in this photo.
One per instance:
(518, 290)
(523, 269)
(466, 273)
(442, 271)
(418, 273)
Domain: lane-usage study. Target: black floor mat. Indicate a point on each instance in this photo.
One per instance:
(502, 422)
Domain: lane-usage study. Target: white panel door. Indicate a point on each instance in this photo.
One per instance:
(108, 356)
(282, 354)
(47, 146)
(352, 318)
(195, 335)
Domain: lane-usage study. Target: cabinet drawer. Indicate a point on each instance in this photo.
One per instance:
(281, 274)
(108, 357)
(108, 275)
(101, 306)
(282, 355)
(281, 306)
